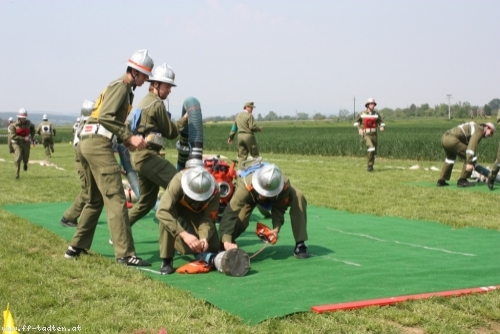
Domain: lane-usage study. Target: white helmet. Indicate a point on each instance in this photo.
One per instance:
(370, 100)
(141, 61)
(198, 183)
(45, 117)
(78, 119)
(22, 113)
(11, 119)
(268, 180)
(87, 108)
(163, 73)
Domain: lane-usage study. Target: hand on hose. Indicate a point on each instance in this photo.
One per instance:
(135, 142)
(229, 245)
(192, 241)
(266, 234)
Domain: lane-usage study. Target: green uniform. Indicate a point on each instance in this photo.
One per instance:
(103, 173)
(74, 211)
(47, 131)
(461, 140)
(368, 122)
(9, 139)
(21, 135)
(245, 126)
(236, 216)
(153, 170)
(496, 166)
(177, 216)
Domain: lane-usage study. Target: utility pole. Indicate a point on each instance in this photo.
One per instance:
(449, 108)
(354, 112)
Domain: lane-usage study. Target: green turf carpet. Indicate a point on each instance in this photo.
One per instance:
(354, 257)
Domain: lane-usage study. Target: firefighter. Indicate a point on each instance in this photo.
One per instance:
(22, 134)
(11, 149)
(71, 215)
(46, 130)
(462, 140)
(245, 126)
(265, 185)
(102, 172)
(367, 122)
(154, 124)
(187, 213)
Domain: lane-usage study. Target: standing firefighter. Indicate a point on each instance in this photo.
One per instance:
(102, 172)
(367, 123)
(9, 138)
(153, 123)
(70, 216)
(264, 184)
(22, 134)
(47, 131)
(244, 125)
(462, 140)
(187, 213)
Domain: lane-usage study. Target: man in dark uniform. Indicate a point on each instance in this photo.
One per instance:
(245, 126)
(102, 172)
(22, 135)
(47, 131)
(367, 122)
(187, 213)
(264, 184)
(462, 140)
(496, 166)
(154, 170)
(70, 216)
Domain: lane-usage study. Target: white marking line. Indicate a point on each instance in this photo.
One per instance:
(402, 243)
(346, 262)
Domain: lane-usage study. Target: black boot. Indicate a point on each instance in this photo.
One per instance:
(491, 182)
(167, 267)
(442, 183)
(463, 183)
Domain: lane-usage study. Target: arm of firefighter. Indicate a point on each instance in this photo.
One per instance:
(234, 129)
(39, 130)
(252, 125)
(280, 206)
(209, 216)
(474, 140)
(380, 123)
(230, 217)
(166, 127)
(167, 213)
(116, 97)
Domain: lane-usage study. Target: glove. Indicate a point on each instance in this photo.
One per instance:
(195, 267)
(265, 234)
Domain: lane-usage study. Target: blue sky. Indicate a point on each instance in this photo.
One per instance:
(286, 56)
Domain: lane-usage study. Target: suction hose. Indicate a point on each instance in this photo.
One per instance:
(190, 145)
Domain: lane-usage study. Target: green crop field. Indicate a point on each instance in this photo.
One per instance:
(323, 159)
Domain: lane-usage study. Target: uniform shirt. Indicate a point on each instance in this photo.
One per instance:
(244, 123)
(46, 129)
(171, 209)
(18, 131)
(246, 196)
(155, 118)
(470, 134)
(368, 120)
(116, 105)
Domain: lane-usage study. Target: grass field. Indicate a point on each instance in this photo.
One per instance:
(101, 297)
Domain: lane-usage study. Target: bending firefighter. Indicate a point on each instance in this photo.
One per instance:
(47, 131)
(187, 213)
(462, 140)
(102, 172)
(152, 122)
(367, 123)
(265, 185)
(22, 133)
(70, 216)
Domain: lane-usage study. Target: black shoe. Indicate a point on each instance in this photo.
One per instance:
(67, 223)
(133, 261)
(17, 177)
(369, 168)
(300, 251)
(74, 252)
(491, 182)
(463, 183)
(167, 267)
(442, 183)
(25, 167)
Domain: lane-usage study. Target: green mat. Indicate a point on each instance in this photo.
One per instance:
(479, 187)
(354, 257)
